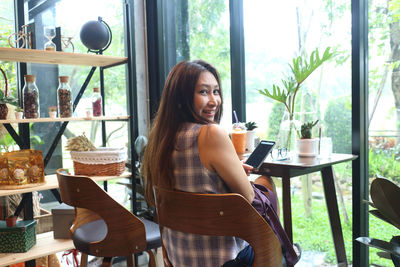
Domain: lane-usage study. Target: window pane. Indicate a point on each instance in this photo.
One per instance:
(208, 39)
(384, 106)
(275, 33)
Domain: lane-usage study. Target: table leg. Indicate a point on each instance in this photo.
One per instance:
(333, 212)
(287, 207)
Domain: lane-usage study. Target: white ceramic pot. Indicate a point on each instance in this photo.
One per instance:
(250, 136)
(19, 115)
(307, 147)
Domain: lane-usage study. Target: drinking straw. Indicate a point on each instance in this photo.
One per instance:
(236, 118)
(319, 143)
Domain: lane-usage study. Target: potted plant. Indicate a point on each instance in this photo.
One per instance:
(11, 221)
(19, 112)
(300, 70)
(306, 145)
(5, 99)
(53, 111)
(250, 135)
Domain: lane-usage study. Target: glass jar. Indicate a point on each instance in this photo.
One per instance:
(30, 98)
(64, 98)
(96, 102)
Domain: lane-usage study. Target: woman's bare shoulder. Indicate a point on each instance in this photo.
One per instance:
(213, 132)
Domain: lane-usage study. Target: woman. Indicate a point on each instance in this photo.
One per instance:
(188, 151)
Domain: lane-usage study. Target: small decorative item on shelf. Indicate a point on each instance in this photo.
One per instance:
(96, 35)
(250, 135)
(306, 145)
(19, 238)
(96, 102)
(11, 221)
(21, 168)
(66, 44)
(53, 112)
(64, 98)
(23, 38)
(5, 99)
(92, 161)
(19, 113)
(49, 32)
(30, 98)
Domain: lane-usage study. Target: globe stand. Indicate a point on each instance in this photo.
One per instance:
(96, 36)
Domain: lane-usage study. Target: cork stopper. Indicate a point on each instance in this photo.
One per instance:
(96, 89)
(30, 78)
(63, 79)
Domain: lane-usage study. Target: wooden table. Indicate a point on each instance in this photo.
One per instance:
(296, 166)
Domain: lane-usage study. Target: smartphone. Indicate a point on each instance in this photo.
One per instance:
(260, 153)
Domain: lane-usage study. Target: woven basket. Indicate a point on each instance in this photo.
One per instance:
(102, 162)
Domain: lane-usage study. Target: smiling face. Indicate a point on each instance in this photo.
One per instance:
(207, 97)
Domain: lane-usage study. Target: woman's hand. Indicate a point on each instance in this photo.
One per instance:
(247, 168)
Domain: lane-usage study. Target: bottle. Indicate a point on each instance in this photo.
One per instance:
(96, 102)
(30, 98)
(64, 98)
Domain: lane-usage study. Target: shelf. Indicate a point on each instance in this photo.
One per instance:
(45, 245)
(52, 183)
(101, 118)
(57, 57)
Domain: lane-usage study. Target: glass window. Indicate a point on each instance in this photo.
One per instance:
(384, 106)
(208, 39)
(275, 33)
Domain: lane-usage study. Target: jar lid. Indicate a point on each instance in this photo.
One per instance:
(30, 77)
(63, 79)
(96, 89)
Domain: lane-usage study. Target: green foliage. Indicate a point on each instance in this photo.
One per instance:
(274, 121)
(314, 233)
(384, 165)
(7, 99)
(337, 122)
(301, 69)
(251, 125)
(209, 36)
(306, 129)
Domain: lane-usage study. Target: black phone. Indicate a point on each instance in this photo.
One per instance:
(257, 157)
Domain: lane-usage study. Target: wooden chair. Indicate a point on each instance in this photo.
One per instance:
(218, 215)
(103, 227)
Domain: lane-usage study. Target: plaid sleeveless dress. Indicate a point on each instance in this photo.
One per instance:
(190, 175)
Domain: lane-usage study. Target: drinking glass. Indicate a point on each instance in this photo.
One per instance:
(49, 32)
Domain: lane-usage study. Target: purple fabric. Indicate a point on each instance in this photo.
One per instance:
(267, 208)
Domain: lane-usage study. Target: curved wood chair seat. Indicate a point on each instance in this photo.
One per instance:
(218, 215)
(103, 227)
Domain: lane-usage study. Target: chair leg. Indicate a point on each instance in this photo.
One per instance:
(107, 262)
(152, 259)
(84, 260)
(130, 260)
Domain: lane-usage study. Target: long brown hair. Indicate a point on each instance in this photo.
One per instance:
(176, 108)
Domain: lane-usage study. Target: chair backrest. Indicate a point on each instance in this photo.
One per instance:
(125, 232)
(219, 215)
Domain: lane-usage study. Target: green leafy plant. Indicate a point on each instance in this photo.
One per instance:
(301, 68)
(19, 109)
(306, 129)
(251, 125)
(4, 98)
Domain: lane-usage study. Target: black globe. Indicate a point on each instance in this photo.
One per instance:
(95, 35)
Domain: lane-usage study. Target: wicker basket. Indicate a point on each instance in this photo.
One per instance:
(102, 162)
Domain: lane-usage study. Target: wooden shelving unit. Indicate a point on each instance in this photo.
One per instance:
(45, 245)
(101, 118)
(56, 57)
(51, 183)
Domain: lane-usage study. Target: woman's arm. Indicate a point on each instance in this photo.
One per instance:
(218, 154)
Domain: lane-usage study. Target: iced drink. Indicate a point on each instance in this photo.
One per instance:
(238, 137)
